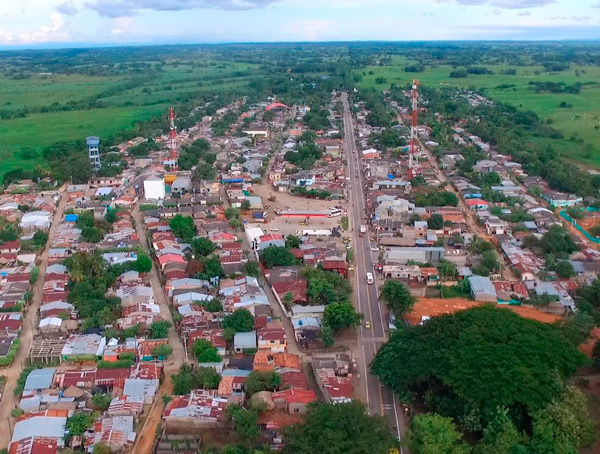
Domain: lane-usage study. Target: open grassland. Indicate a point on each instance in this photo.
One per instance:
(43, 129)
(41, 90)
(580, 120)
(30, 104)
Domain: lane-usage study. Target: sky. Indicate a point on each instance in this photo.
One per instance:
(67, 23)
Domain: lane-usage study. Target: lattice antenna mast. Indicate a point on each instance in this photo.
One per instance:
(173, 133)
(412, 157)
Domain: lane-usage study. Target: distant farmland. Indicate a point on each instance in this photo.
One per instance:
(33, 101)
(580, 119)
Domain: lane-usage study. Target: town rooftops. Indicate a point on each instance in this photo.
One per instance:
(48, 424)
(481, 285)
(39, 379)
(84, 344)
(202, 404)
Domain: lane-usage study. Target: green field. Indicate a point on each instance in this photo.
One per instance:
(124, 104)
(41, 130)
(582, 120)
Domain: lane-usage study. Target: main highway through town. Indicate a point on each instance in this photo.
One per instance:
(380, 399)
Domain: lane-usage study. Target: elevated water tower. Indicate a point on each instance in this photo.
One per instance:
(93, 144)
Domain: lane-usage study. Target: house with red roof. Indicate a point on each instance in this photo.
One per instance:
(337, 266)
(199, 409)
(10, 322)
(112, 378)
(170, 258)
(10, 247)
(34, 445)
(272, 337)
(297, 288)
(294, 400)
(270, 239)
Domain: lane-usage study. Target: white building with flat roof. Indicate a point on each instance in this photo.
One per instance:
(154, 188)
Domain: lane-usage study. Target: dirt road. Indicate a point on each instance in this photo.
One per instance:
(147, 433)
(30, 320)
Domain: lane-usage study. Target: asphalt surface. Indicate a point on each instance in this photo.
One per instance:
(380, 399)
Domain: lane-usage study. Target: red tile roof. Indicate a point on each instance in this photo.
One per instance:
(145, 347)
(297, 288)
(112, 377)
(295, 396)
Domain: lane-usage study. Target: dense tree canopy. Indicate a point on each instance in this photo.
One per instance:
(474, 360)
(341, 315)
(240, 321)
(325, 287)
(262, 381)
(183, 227)
(435, 434)
(435, 221)
(436, 199)
(143, 264)
(206, 352)
(558, 241)
(159, 329)
(339, 429)
(202, 247)
(277, 256)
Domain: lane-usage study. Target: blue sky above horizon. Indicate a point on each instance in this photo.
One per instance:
(58, 23)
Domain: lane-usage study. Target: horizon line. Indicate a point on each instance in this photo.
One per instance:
(85, 45)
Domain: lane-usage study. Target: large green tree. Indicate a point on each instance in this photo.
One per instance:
(143, 264)
(206, 352)
(239, 321)
(341, 315)
(435, 221)
(277, 256)
(563, 427)
(345, 428)
(262, 381)
(558, 241)
(211, 268)
(434, 434)
(397, 297)
(245, 422)
(500, 436)
(183, 227)
(159, 329)
(477, 360)
(202, 247)
(325, 287)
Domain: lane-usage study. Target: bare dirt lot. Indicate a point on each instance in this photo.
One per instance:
(438, 306)
(285, 201)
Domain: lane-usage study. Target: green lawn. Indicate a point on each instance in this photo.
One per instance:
(582, 120)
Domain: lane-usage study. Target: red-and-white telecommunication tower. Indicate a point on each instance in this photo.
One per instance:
(173, 134)
(412, 157)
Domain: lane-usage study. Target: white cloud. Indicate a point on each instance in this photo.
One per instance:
(120, 8)
(57, 31)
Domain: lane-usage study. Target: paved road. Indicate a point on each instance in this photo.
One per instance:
(380, 399)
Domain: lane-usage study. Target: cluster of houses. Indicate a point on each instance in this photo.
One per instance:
(52, 394)
(127, 371)
(23, 211)
(408, 246)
